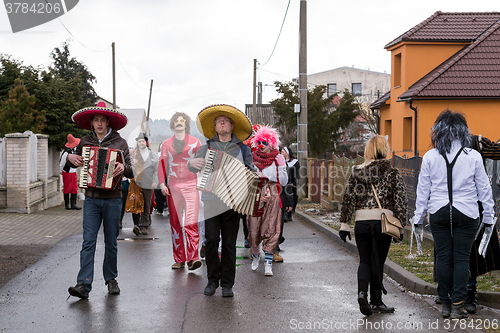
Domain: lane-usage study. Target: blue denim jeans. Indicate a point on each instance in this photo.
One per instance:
(452, 252)
(96, 211)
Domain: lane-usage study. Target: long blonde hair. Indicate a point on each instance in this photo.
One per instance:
(377, 148)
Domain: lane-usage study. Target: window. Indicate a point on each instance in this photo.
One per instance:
(356, 89)
(397, 70)
(407, 133)
(388, 131)
(332, 89)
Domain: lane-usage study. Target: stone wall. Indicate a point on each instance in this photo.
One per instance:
(21, 193)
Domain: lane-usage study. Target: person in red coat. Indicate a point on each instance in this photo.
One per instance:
(70, 182)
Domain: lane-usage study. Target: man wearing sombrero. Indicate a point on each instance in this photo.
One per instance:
(100, 206)
(70, 183)
(227, 127)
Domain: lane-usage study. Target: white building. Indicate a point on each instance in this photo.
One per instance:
(365, 84)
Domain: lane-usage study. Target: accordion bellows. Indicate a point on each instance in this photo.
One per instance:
(229, 179)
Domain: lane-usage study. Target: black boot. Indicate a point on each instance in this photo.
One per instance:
(364, 307)
(73, 202)
(458, 311)
(66, 201)
(376, 302)
(470, 302)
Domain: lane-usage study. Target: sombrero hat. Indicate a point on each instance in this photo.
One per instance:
(205, 121)
(117, 119)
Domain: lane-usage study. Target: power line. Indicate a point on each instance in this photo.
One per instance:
(123, 67)
(288, 77)
(57, 17)
(282, 24)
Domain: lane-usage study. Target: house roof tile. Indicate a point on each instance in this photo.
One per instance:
(381, 101)
(449, 27)
(473, 72)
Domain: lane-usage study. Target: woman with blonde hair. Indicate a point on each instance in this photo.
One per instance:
(359, 201)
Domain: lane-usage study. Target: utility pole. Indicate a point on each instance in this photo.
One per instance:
(114, 77)
(149, 103)
(253, 117)
(302, 124)
(259, 93)
(146, 130)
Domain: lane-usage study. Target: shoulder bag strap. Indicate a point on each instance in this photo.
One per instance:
(376, 197)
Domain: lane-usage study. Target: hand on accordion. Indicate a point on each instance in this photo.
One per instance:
(119, 168)
(197, 163)
(74, 159)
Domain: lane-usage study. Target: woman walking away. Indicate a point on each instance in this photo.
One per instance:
(451, 182)
(376, 173)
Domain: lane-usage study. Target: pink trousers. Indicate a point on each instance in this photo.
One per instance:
(188, 199)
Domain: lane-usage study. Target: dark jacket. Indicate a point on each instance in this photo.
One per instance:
(389, 184)
(290, 189)
(236, 149)
(115, 141)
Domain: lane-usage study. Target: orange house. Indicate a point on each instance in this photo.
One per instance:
(449, 61)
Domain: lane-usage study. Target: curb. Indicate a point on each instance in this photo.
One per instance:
(396, 272)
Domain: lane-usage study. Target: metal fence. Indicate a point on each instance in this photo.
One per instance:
(340, 168)
(3, 163)
(409, 168)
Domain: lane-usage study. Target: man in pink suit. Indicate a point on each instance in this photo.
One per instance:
(178, 184)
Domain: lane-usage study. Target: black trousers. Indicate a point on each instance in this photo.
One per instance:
(124, 201)
(225, 225)
(160, 200)
(373, 247)
(245, 227)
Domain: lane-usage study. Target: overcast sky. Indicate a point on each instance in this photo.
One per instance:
(200, 52)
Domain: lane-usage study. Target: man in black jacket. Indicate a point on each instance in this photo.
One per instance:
(100, 205)
(228, 127)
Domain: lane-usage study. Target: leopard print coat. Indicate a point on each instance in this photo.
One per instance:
(389, 184)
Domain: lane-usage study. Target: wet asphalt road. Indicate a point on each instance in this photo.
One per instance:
(314, 290)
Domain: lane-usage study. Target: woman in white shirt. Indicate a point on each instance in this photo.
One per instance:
(453, 228)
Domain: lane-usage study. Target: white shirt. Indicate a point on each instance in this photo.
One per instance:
(470, 184)
(270, 172)
(62, 162)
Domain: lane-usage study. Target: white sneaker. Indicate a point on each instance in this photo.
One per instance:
(268, 268)
(255, 262)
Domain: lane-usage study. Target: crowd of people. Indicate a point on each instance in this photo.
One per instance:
(453, 191)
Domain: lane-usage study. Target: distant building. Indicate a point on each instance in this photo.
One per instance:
(367, 85)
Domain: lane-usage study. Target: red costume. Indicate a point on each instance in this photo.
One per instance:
(183, 194)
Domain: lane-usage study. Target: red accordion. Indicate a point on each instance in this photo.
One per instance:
(98, 167)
